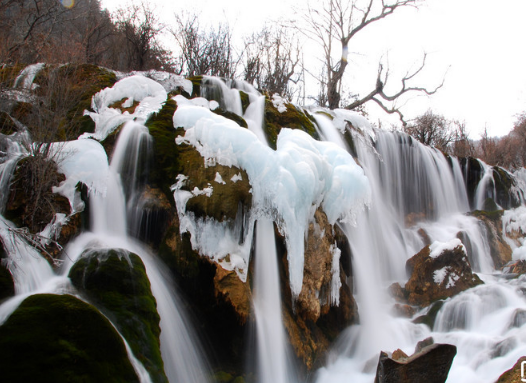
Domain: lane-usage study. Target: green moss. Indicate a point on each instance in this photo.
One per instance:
(59, 338)
(166, 152)
(292, 118)
(493, 215)
(116, 281)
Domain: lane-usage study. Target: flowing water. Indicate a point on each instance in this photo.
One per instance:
(274, 364)
(412, 187)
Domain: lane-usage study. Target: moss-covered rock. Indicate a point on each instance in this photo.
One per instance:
(59, 338)
(219, 299)
(116, 281)
(292, 118)
(166, 165)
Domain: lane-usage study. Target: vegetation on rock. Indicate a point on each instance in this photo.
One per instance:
(59, 338)
(116, 282)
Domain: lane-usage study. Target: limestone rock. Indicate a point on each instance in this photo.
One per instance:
(440, 277)
(513, 375)
(317, 274)
(430, 365)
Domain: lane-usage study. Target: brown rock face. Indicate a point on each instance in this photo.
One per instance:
(513, 375)
(315, 322)
(434, 278)
(234, 291)
(317, 273)
(430, 365)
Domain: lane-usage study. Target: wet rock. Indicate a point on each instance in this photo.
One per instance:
(235, 292)
(438, 277)
(519, 318)
(404, 311)
(59, 338)
(500, 250)
(514, 374)
(431, 365)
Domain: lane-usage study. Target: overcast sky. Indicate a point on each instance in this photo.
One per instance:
(478, 43)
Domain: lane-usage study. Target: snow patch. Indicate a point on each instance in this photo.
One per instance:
(279, 103)
(438, 248)
(150, 95)
(219, 179)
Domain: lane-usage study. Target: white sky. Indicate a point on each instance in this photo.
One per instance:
(480, 41)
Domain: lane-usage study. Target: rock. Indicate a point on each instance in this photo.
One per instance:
(430, 365)
(59, 338)
(404, 311)
(155, 213)
(440, 277)
(235, 292)
(315, 322)
(317, 273)
(515, 268)
(514, 374)
(500, 250)
(116, 281)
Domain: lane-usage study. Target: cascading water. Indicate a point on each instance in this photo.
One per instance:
(182, 360)
(274, 365)
(409, 188)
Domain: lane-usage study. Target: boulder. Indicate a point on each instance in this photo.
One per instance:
(59, 338)
(431, 365)
(116, 281)
(437, 272)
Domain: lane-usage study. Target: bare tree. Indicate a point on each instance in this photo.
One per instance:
(140, 29)
(271, 60)
(25, 28)
(462, 145)
(433, 130)
(204, 52)
(335, 26)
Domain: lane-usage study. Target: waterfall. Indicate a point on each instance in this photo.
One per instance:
(274, 365)
(182, 359)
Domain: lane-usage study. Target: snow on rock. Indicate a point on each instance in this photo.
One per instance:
(150, 94)
(438, 248)
(279, 103)
(82, 160)
(170, 81)
(288, 184)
